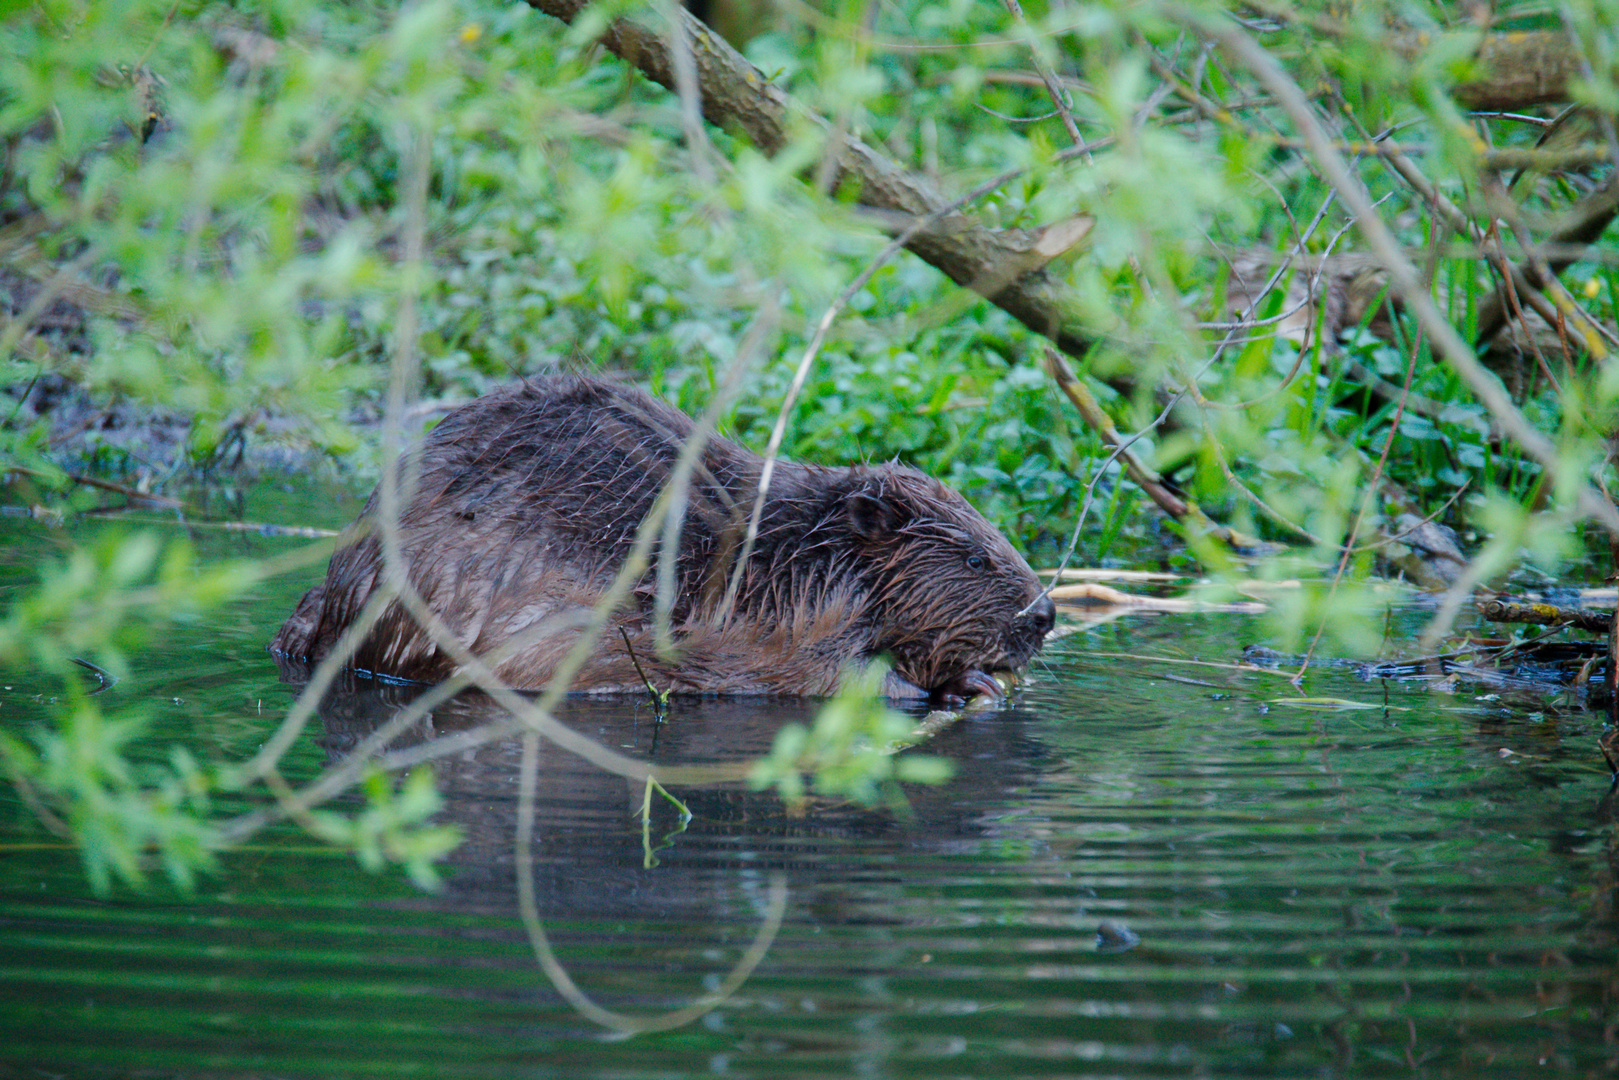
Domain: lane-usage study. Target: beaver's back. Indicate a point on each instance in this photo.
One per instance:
(580, 460)
(526, 502)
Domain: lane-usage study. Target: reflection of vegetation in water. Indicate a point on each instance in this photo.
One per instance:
(86, 779)
(1353, 876)
(649, 849)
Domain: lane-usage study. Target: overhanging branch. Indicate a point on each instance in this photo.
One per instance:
(1005, 266)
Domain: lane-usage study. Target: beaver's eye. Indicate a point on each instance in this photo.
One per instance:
(975, 561)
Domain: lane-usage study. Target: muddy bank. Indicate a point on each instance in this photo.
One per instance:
(46, 409)
(138, 442)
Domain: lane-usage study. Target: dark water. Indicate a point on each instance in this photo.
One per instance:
(1423, 887)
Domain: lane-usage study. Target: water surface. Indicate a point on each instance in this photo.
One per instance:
(1423, 886)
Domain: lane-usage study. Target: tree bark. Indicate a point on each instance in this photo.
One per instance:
(1516, 70)
(1005, 266)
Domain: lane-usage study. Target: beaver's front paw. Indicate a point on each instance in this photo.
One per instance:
(964, 687)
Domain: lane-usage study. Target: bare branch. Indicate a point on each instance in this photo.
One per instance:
(1182, 510)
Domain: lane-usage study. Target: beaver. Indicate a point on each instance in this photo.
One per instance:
(527, 501)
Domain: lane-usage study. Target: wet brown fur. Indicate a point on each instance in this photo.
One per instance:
(527, 503)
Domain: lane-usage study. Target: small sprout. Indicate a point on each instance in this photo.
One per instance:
(660, 698)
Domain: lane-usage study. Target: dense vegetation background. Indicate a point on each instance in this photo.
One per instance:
(1337, 274)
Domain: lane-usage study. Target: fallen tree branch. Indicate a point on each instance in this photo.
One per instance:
(1536, 614)
(1511, 69)
(1005, 266)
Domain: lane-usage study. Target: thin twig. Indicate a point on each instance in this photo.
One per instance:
(1182, 510)
(660, 698)
(105, 485)
(1372, 486)
(1058, 97)
(801, 373)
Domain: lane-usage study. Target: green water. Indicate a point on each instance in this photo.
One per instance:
(1378, 892)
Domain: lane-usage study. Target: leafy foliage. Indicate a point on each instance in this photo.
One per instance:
(97, 603)
(851, 751)
(394, 827)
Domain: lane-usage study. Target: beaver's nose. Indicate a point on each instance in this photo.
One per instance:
(1042, 614)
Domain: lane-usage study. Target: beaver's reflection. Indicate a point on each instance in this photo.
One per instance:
(591, 838)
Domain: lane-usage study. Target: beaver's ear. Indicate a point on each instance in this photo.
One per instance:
(871, 516)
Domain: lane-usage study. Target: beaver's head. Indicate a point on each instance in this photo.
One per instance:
(951, 599)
